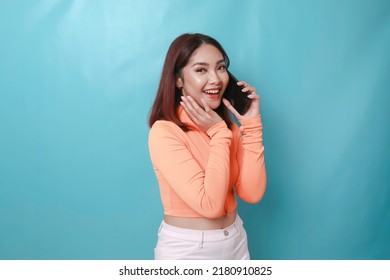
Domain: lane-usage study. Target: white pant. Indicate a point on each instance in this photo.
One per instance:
(176, 243)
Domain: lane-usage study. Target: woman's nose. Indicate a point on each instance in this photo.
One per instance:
(214, 78)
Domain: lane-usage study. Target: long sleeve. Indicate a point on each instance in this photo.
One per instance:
(203, 189)
(250, 156)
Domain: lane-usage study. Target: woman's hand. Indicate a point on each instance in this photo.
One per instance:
(253, 110)
(203, 118)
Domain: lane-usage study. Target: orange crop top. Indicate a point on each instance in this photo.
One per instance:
(197, 170)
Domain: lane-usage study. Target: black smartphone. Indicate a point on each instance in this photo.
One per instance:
(236, 97)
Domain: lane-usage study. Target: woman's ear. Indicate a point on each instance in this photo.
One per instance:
(179, 83)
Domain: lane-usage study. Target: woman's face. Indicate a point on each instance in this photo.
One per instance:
(205, 76)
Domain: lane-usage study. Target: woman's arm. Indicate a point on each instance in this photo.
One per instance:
(250, 152)
(251, 181)
(203, 190)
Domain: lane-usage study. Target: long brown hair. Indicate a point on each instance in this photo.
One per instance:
(168, 95)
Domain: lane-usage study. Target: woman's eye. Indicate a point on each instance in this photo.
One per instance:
(222, 67)
(200, 70)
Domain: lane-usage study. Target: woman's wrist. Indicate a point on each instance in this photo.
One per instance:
(250, 120)
(218, 128)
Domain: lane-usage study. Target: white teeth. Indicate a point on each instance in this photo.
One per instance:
(212, 91)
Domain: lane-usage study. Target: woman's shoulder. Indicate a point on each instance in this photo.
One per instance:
(164, 124)
(164, 128)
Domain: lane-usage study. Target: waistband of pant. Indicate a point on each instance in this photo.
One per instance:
(203, 235)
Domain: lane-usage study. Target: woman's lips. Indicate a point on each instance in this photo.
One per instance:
(212, 93)
(212, 96)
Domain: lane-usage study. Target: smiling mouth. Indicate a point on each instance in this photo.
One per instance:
(212, 91)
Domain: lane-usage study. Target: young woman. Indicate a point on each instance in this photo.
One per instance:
(202, 159)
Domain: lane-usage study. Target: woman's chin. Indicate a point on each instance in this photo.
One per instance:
(214, 106)
(214, 103)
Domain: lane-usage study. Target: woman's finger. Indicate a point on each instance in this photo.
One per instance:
(243, 83)
(184, 105)
(188, 103)
(189, 108)
(249, 89)
(254, 96)
(195, 105)
(231, 108)
(205, 106)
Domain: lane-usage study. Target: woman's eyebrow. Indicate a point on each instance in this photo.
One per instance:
(207, 64)
(200, 63)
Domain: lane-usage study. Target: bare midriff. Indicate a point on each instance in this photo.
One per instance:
(201, 223)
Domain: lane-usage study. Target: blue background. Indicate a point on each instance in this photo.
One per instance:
(77, 80)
